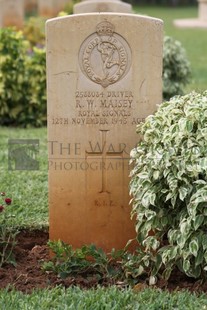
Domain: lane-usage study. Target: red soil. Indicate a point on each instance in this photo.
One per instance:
(31, 251)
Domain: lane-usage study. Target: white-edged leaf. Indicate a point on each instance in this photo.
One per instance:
(152, 280)
(193, 247)
(198, 221)
(156, 174)
(183, 191)
(186, 265)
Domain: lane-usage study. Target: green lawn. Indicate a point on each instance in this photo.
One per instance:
(101, 299)
(28, 189)
(193, 40)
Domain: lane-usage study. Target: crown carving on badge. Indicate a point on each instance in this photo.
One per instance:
(105, 29)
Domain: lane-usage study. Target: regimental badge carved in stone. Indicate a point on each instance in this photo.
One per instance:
(105, 56)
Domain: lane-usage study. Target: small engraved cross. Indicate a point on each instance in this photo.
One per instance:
(100, 150)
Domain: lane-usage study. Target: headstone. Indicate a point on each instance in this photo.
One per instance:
(200, 22)
(1, 13)
(99, 88)
(51, 8)
(30, 5)
(202, 10)
(88, 6)
(12, 13)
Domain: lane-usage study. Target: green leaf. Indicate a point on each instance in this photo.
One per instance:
(64, 275)
(195, 272)
(186, 266)
(198, 221)
(156, 174)
(202, 182)
(193, 247)
(205, 256)
(157, 264)
(199, 258)
(189, 125)
(167, 272)
(204, 242)
(185, 227)
(183, 191)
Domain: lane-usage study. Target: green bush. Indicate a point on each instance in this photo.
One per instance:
(169, 187)
(34, 30)
(13, 76)
(22, 81)
(37, 106)
(176, 68)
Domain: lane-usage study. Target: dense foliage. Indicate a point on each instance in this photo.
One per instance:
(34, 30)
(169, 187)
(176, 68)
(22, 81)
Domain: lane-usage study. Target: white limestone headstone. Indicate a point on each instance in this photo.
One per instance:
(202, 10)
(12, 13)
(89, 6)
(200, 22)
(30, 5)
(104, 76)
(51, 8)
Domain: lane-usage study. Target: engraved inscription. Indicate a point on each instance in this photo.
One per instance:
(103, 152)
(103, 108)
(105, 56)
(104, 203)
(86, 119)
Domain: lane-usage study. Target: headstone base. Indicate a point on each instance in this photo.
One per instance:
(200, 22)
(191, 23)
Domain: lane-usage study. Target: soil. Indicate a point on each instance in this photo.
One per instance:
(32, 250)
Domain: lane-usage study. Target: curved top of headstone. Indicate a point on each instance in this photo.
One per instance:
(89, 6)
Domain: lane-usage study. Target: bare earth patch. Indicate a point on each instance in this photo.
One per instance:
(31, 251)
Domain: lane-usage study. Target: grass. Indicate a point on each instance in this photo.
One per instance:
(28, 189)
(193, 40)
(101, 299)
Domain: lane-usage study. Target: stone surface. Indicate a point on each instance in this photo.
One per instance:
(202, 10)
(99, 88)
(89, 6)
(12, 13)
(51, 8)
(1, 12)
(30, 5)
(200, 22)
